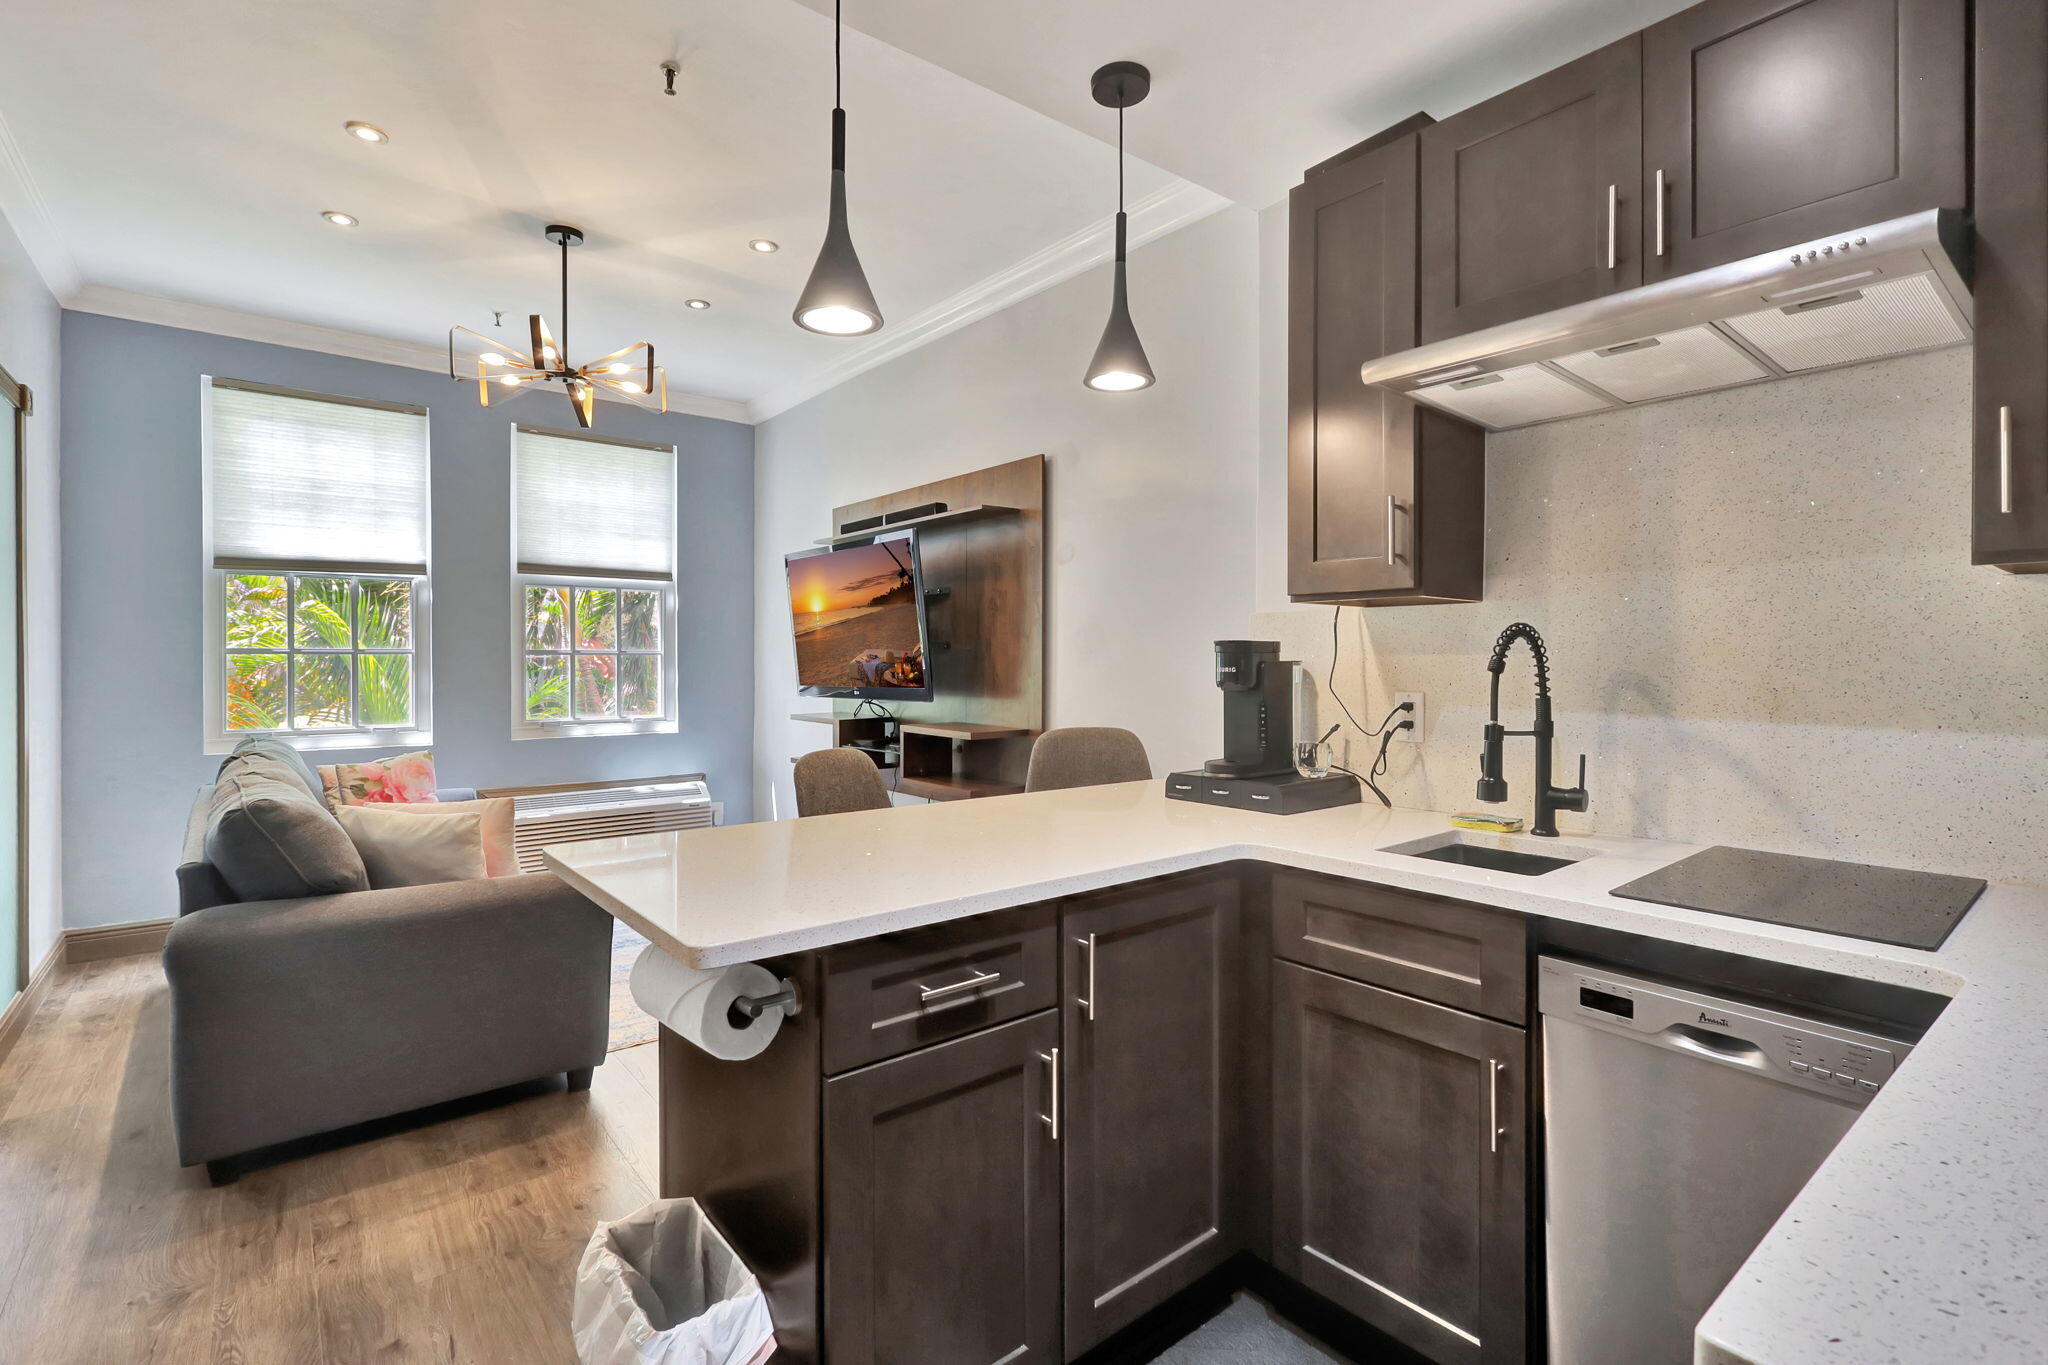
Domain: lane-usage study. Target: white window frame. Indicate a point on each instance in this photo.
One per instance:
(219, 738)
(669, 721)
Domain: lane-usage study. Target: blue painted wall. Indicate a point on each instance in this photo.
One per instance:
(133, 593)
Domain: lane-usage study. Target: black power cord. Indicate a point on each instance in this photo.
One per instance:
(1335, 696)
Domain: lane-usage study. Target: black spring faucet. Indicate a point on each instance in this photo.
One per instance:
(1494, 787)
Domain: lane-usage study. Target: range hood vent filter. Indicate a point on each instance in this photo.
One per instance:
(1689, 361)
(1892, 318)
(1513, 398)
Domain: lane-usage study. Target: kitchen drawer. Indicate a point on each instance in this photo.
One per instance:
(904, 991)
(1464, 956)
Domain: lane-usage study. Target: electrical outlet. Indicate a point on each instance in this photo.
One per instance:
(1414, 735)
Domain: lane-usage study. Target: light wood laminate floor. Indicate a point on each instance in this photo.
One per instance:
(454, 1242)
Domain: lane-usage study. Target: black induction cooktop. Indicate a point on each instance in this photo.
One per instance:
(1855, 900)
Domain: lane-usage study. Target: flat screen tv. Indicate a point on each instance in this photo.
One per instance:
(857, 613)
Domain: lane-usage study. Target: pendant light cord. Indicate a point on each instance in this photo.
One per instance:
(1119, 157)
(836, 101)
(562, 355)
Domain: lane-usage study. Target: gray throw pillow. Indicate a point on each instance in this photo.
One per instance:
(270, 840)
(278, 759)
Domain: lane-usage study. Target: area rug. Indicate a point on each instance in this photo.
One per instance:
(631, 1025)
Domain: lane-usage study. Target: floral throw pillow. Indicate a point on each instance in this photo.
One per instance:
(403, 780)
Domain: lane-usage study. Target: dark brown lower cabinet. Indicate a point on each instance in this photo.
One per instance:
(1399, 1165)
(1150, 1010)
(942, 1203)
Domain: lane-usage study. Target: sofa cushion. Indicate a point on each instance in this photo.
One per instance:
(501, 852)
(416, 849)
(398, 780)
(277, 758)
(270, 840)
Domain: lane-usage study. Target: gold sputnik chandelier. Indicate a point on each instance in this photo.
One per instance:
(502, 373)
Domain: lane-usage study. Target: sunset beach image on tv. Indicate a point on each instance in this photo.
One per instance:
(858, 620)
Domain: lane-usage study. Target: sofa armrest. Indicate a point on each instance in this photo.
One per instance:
(301, 1016)
(455, 794)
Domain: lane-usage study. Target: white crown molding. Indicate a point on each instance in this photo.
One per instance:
(23, 205)
(306, 336)
(1165, 210)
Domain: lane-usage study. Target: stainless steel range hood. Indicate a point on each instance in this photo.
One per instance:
(1888, 290)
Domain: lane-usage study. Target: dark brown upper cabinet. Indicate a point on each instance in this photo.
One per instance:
(942, 1203)
(1530, 199)
(1150, 1015)
(1399, 1165)
(1384, 507)
(1767, 123)
(2009, 500)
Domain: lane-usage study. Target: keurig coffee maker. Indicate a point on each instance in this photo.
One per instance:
(1257, 770)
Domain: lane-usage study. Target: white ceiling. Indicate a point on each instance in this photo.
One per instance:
(1246, 95)
(182, 150)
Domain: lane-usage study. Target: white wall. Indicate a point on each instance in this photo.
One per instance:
(1150, 495)
(29, 346)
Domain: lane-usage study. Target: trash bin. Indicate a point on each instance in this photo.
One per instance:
(662, 1287)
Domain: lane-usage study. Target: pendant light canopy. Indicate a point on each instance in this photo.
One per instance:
(1120, 365)
(836, 299)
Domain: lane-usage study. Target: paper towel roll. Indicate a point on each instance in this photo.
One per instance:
(697, 1003)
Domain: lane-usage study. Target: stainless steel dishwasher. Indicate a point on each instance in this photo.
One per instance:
(1677, 1127)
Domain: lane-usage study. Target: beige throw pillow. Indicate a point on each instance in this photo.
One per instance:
(499, 858)
(415, 850)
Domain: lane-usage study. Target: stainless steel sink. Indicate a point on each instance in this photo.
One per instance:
(1495, 853)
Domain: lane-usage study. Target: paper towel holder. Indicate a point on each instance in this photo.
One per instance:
(746, 1009)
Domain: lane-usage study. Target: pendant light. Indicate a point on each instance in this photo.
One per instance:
(630, 374)
(1120, 365)
(836, 299)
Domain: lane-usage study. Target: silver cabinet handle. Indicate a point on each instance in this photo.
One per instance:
(1660, 216)
(1613, 225)
(1087, 1003)
(2005, 461)
(927, 994)
(1051, 1119)
(1494, 1131)
(1390, 530)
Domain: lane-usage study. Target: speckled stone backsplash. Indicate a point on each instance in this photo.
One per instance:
(1764, 630)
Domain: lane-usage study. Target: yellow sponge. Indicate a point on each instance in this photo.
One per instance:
(1492, 824)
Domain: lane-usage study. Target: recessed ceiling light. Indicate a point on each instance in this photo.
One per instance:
(368, 132)
(763, 245)
(697, 303)
(338, 218)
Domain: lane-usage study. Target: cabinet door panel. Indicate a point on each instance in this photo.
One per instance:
(1399, 1163)
(1351, 298)
(2009, 503)
(1778, 121)
(1516, 196)
(942, 1204)
(1147, 1123)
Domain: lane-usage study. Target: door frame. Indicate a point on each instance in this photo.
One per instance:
(21, 401)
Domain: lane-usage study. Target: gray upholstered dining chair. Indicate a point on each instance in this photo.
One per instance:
(829, 781)
(1086, 756)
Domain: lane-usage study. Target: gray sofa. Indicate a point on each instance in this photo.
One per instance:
(302, 1001)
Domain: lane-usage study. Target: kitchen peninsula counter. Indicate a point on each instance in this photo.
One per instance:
(1917, 1240)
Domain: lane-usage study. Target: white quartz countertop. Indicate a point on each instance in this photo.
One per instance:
(1922, 1239)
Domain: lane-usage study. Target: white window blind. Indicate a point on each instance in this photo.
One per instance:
(301, 480)
(593, 508)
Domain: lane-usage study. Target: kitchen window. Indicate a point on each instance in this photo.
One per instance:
(593, 540)
(316, 569)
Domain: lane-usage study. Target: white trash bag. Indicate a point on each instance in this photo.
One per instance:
(661, 1287)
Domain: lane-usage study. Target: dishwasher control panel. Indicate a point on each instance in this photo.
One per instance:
(1846, 1063)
